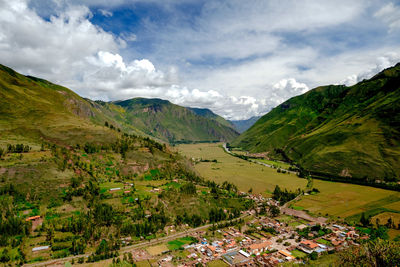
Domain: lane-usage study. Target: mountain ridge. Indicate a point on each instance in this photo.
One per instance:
(337, 130)
(36, 108)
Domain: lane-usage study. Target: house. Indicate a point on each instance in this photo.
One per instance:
(259, 247)
(115, 189)
(40, 248)
(33, 218)
(286, 254)
(308, 246)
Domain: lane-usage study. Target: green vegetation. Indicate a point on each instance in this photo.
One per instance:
(240, 172)
(298, 254)
(339, 200)
(173, 123)
(335, 132)
(374, 253)
(101, 180)
(180, 242)
(243, 125)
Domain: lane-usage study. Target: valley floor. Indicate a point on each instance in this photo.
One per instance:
(336, 200)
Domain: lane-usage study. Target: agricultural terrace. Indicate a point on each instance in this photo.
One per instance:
(336, 199)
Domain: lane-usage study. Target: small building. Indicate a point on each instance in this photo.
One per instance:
(115, 189)
(308, 246)
(257, 248)
(33, 218)
(40, 248)
(286, 254)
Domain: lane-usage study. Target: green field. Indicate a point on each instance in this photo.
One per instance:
(276, 164)
(217, 263)
(244, 174)
(335, 199)
(298, 254)
(180, 242)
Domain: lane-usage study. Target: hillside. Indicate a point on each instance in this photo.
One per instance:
(75, 181)
(343, 131)
(243, 125)
(32, 108)
(205, 112)
(173, 123)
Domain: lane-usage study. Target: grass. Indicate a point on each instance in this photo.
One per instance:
(324, 242)
(144, 263)
(244, 174)
(383, 218)
(335, 199)
(179, 243)
(327, 260)
(157, 250)
(277, 164)
(298, 254)
(217, 263)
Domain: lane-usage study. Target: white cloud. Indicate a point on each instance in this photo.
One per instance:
(377, 65)
(233, 57)
(105, 13)
(390, 14)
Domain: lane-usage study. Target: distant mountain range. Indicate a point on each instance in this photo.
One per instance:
(35, 108)
(351, 132)
(243, 125)
(173, 123)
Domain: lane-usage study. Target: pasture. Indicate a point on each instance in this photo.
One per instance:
(335, 199)
(157, 250)
(243, 174)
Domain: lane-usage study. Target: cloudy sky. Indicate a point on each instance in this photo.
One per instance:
(238, 58)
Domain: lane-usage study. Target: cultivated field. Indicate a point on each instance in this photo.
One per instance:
(244, 174)
(335, 199)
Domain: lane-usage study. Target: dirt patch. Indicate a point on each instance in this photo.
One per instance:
(303, 215)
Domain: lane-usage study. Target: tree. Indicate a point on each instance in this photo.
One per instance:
(275, 211)
(364, 221)
(390, 223)
(374, 253)
(313, 256)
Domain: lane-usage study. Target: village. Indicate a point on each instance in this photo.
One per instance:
(261, 241)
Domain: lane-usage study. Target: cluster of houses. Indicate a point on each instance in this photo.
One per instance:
(286, 245)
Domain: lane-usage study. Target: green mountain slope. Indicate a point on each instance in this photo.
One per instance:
(351, 132)
(173, 123)
(33, 108)
(243, 125)
(205, 112)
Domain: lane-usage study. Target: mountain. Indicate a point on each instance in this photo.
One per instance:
(351, 132)
(205, 112)
(35, 108)
(175, 124)
(243, 125)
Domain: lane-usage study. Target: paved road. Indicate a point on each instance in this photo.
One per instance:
(132, 247)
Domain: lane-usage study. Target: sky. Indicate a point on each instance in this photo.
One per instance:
(237, 58)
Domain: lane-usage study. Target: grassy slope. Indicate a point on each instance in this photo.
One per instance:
(337, 129)
(205, 112)
(243, 125)
(31, 108)
(169, 122)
